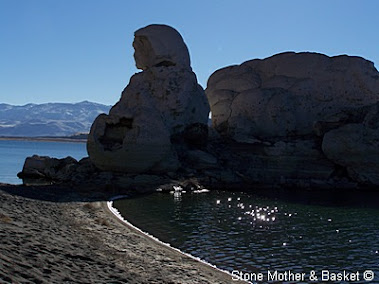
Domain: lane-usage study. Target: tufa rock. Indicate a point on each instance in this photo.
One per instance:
(158, 104)
(131, 143)
(276, 112)
(284, 95)
(159, 45)
(355, 146)
(170, 94)
(294, 120)
(43, 167)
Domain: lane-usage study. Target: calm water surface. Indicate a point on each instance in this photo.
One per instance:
(240, 231)
(14, 152)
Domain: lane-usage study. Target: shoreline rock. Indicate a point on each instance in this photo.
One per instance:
(293, 120)
(300, 119)
(159, 103)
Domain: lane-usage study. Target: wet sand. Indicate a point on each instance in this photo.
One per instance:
(57, 234)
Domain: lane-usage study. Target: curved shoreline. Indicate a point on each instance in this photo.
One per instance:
(125, 222)
(64, 234)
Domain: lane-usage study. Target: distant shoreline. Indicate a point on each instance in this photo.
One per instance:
(44, 139)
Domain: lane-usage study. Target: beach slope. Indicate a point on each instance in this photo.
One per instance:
(57, 234)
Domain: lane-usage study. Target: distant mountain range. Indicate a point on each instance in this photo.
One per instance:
(50, 119)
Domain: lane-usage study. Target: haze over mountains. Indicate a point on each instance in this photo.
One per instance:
(50, 119)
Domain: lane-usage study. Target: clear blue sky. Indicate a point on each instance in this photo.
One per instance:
(75, 50)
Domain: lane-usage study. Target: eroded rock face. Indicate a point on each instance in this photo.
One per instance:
(355, 146)
(170, 92)
(159, 45)
(44, 167)
(127, 143)
(279, 109)
(286, 94)
(161, 102)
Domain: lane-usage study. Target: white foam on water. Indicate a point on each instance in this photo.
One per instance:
(204, 190)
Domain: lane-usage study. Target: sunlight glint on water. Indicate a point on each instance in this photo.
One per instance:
(238, 231)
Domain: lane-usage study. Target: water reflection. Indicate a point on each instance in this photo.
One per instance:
(238, 231)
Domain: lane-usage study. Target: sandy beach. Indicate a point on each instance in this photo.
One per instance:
(53, 234)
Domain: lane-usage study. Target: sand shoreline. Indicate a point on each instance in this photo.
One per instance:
(54, 234)
(116, 213)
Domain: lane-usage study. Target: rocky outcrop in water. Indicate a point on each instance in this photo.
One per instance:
(294, 120)
(286, 94)
(44, 167)
(46, 170)
(160, 104)
(300, 119)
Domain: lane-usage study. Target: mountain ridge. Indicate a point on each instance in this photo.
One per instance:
(48, 119)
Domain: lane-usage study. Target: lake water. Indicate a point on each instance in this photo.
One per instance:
(240, 231)
(14, 152)
(236, 230)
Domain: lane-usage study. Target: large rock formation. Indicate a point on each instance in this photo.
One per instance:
(284, 95)
(301, 120)
(159, 104)
(278, 111)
